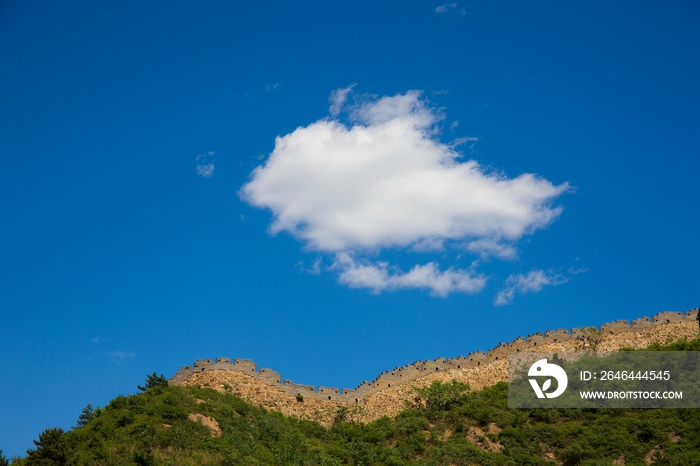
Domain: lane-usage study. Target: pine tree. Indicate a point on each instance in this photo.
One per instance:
(86, 416)
(153, 381)
(51, 449)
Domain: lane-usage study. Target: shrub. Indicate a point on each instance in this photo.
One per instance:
(442, 396)
(573, 455)
(143, 459)
(341, 415)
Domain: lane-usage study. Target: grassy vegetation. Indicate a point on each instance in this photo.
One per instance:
(445, 425)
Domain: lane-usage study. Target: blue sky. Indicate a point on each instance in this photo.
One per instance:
(331, 190)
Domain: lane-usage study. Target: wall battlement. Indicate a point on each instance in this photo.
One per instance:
(403, 374)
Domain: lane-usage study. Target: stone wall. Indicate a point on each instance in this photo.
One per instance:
(419, 369)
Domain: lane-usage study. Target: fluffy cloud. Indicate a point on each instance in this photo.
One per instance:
(377, 277)
(386, 181)
(533, 282)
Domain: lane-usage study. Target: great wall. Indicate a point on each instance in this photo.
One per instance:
(385, 395)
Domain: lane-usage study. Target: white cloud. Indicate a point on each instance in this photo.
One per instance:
(487, 247)
(387, 181)
(119, 356)
(205, 171)
(445, 8)
(315, 268)
(377, 277)
(338, 98)
(205, 164)
(470, 142)
(448, 7)
(533, 282)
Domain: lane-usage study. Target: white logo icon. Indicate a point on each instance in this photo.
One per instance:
(543, 369)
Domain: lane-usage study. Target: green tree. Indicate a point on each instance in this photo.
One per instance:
(3, 460)
(51, 449)
(86, 415)
(153, 381)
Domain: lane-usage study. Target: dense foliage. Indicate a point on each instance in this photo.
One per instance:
(446, 424)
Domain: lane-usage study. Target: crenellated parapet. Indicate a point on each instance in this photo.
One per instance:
(403, 374)
(557, 336)
(642, 322)
(669, 317)
(476, 358)
(615, 327)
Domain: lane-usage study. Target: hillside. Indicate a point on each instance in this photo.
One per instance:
(454, 416)
(447, 424)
